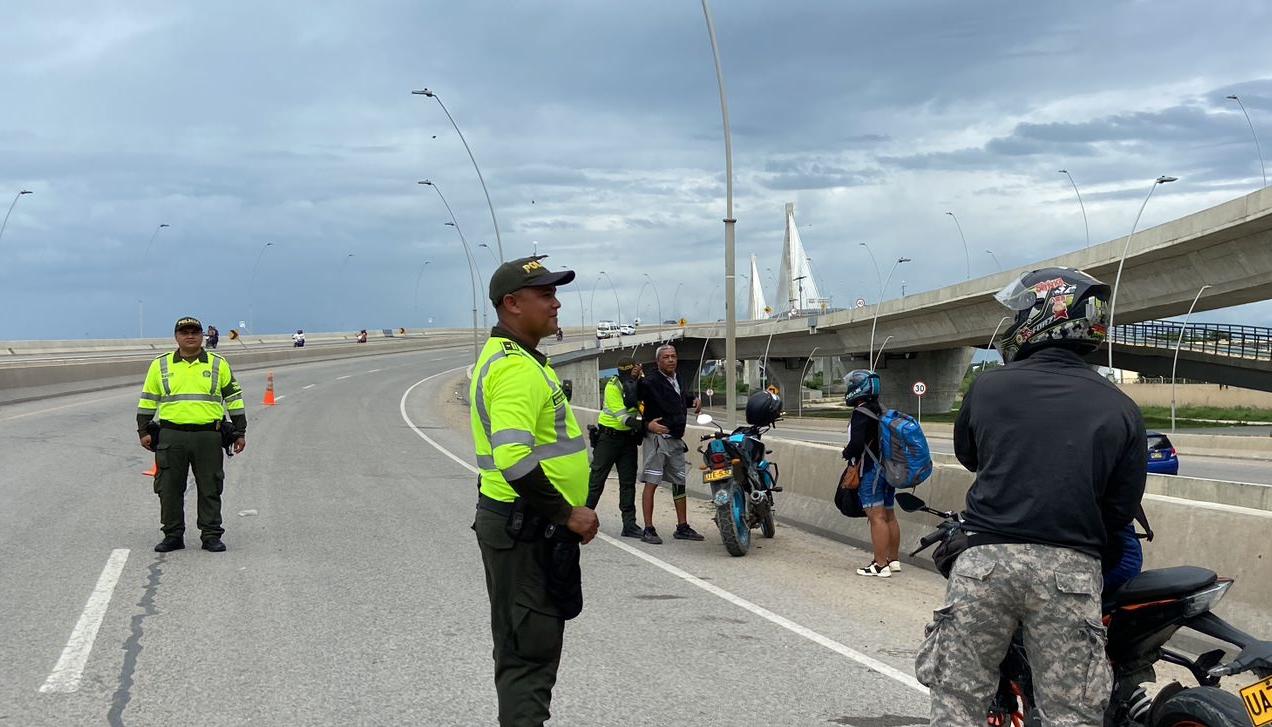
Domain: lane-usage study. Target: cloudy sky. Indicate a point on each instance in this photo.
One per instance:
(597, 125)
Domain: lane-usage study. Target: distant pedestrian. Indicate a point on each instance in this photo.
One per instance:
(298, 338)
(214, 337)
(180, 418)
(877, 496)
(666, 400)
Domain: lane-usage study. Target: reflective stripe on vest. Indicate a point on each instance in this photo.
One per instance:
(163, 374)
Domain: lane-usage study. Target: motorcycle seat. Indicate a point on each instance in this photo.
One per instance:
(1163, 583)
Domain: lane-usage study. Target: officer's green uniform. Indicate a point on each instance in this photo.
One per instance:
(523, 431)
(189, 398)
(619, 423)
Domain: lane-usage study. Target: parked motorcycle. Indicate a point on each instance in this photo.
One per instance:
(1141, 618)
(742, 482)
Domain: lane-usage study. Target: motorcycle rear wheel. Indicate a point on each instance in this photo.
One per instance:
(1201, 707)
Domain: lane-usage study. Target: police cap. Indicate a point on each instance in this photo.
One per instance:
(526, 272)
(187, 322)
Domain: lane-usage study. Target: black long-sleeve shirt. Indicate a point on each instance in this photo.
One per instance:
(1060, 454)
(662, 401)
(863, 432)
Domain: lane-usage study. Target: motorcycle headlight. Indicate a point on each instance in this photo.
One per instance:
(1202, 601)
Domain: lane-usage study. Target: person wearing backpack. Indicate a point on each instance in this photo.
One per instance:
(864, 452)
(1059, 455)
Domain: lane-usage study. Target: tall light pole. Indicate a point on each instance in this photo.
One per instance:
(1257, 148)
(995, 257)
(472, 265)
(12, 204)
(613, 290)
(480, 277)
(1117, 282)
(999, 325)
(966, 255)
(675, 310)
(1081, 206)
(495, 222)
(657, 298)
(730, 306)
(418, 278)
(1175, 363)
(883, 286)
(251, 289)
(141, 318)
(799, 386)
(492, 252)
(874, 365)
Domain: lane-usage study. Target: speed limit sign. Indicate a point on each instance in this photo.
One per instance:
(861, 302)
(919, 388)
(710, 392)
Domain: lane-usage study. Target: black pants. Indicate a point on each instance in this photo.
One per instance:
(179, 452)
(525, 624)
(615, 448)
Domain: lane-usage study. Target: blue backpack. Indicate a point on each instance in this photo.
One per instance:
(906, 459)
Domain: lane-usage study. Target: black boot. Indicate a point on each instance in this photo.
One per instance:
(169, 543)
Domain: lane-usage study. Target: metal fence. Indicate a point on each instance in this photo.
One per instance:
(1216, 339)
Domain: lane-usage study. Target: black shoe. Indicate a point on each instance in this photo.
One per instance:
(632, 530)
(214, 545)
(684, 532)
(650, 536)
(169, 543)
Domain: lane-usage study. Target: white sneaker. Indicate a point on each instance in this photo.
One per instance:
(894, 566)
(874, 569)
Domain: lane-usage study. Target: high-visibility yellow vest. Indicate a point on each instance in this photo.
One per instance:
(520, 419)
(190, 392)
(615, 413)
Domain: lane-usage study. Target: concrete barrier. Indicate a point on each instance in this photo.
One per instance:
(1229, 539)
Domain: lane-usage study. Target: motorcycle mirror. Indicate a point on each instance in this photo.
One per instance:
(909, 502)
(704, 419)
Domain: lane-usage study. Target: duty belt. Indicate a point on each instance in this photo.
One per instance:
(613, 430)
(208, 427)
(496, 506)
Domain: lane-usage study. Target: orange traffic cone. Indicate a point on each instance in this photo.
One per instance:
(269, 389)
(154, 470)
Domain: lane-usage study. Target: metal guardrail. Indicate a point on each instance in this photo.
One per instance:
(1252, 343)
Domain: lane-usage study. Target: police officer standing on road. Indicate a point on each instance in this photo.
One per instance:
(188, 391)
(1060, 456)
(530, 516)
(619, 425)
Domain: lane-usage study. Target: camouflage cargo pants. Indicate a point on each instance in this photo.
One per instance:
(1053, 596)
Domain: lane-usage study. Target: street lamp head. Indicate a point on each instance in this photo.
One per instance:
(903, 260)
(1165, 179)
(1233, 97)
(480, 244)
(449, 224)
(991, 252)
(25, 191)
(424, 92)
(164, 225)
(951, 214)
(269, 244)
(425, 181)
(1062, 171)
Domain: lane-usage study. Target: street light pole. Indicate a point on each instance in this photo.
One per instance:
(799, 386)
(251, 289)
(1117, 282)
(472, 265)
(995, 257)
(674, 309)
(874, 365)
(476, 266)
(1175, 363)
(1257, 148)
(153, 235)
(1081, 206)
(994, 335)
(492, 253)
(730, 307)
(12, 204)
(417, 285)
(657, 298)
(495, 222)
(141, 319)
(966, 255)
(613, 290)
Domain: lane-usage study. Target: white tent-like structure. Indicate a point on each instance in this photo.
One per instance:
(796, 288)
(756, 308)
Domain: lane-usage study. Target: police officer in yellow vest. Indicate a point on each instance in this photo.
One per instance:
(530, 516)
(619, 435)
(188, 391)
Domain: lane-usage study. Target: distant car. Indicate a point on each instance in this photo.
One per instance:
(627, 329)
(1162, 457)
(607, 329)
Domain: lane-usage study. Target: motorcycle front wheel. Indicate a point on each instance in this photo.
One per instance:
(731, 518)
(1201, 707)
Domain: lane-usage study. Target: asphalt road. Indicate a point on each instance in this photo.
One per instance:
(1190, 465)
(352, 592)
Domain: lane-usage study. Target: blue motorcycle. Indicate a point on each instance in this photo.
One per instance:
(742, 483)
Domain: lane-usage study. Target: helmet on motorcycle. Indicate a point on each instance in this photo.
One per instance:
(1060, 307)
(863, 385)
(763, 408)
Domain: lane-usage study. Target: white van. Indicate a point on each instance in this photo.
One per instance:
(607, 329)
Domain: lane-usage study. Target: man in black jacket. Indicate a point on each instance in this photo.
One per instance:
(665, 402)
(1060, 456)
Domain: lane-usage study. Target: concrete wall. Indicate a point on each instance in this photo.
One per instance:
(1199, 395)
(1228, 539)
(584, 376)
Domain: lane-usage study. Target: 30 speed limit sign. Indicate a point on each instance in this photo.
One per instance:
(919, 388)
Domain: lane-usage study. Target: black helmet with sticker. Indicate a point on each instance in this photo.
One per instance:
(1061, 307)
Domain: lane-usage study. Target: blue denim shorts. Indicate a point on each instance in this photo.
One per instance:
(875, 491)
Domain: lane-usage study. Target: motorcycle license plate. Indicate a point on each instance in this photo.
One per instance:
(1258, 702)
(714, 475)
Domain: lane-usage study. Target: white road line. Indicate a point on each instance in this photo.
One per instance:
(342, 378)
(64, 406)
(280, 397)
(65, 676)
(867, 661)
(374, 371)
(306, 388)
